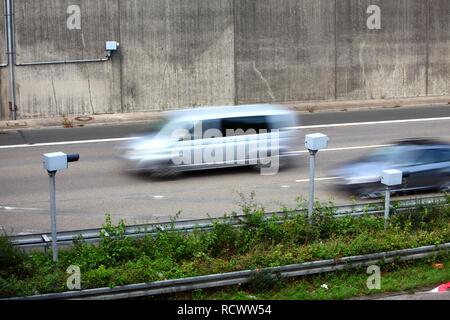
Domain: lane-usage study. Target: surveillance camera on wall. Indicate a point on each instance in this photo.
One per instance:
(110, 47)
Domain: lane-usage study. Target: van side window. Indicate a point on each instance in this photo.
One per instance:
(279, 122)
(249, 125)
(205, 126)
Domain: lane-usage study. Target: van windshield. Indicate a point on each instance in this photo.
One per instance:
(171, 126)
(156, 126)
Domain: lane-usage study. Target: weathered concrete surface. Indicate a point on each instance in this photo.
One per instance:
(284, 50)
(187, 53)
(176, 53)
(42, 35)
(439, 48)
(385, 63)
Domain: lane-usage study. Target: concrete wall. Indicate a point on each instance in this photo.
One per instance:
(186, 53)
(176, 53)
(439, 48)
(385, 63)
(284, 50)
(42, 35)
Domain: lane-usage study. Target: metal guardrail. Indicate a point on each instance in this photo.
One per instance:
(239, 277)
(94, 235)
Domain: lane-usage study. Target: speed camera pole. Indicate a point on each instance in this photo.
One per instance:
(52, 163)
(312, 173)
(52, 175)
(314, 143)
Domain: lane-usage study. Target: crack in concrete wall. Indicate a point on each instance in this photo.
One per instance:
(269, 89)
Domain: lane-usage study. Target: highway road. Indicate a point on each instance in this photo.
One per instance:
(98, 183)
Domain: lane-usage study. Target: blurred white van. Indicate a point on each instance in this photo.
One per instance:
(215, 137)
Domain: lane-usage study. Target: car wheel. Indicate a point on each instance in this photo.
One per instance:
(370, 194)
(445, 187)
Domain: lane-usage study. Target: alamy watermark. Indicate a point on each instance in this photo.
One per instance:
(74, 18)
(237, 147)
(74, 280)
(374, 280)
(374, 21)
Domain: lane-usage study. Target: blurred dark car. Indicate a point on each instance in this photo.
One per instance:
(425, 165)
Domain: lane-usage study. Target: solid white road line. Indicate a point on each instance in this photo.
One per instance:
(65, 143)
(18, 209)
(357, 147)
(300, 127)
(317, 179)
(343, 148)
(352, 124)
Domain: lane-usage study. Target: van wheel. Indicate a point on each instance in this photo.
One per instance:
(165, 172)
(285, 162)
(282, 164)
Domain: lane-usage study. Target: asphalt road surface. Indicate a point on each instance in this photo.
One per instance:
(99, 184)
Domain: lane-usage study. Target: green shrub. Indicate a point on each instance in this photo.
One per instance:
(223, 239)
(422, 216)
(264, 281)
(12, 260)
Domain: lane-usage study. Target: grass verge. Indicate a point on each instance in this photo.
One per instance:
(259, 243)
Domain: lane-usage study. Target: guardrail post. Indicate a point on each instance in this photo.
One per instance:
(46, 241)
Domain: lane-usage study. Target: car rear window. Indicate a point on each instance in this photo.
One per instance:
(435, 155)
(394, 155)
(445, 154)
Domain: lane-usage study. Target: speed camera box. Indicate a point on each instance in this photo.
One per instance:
(316, 141)
(55, 161)
(392, 177)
